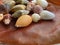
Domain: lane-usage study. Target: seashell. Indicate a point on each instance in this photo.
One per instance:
(21, 1)
(18, 7)
(7, 19)
(23, 21)
(46, 15)
(12, 3)
(19, 13)
(3, 9)
(42, 3)
(24, 12)
(6, 1)
(37, 9)
(30, 5)
(35, 17)
(1, 17)
(9, 5)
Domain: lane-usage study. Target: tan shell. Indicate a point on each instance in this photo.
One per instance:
(23, 21)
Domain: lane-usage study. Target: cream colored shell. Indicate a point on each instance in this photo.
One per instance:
(47, 15)
(36, 17)
(42, 3)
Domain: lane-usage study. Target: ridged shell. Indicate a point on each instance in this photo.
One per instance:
(23, 21)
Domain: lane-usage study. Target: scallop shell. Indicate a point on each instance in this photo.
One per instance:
(18, 7)
(46, 15)
(23, 21)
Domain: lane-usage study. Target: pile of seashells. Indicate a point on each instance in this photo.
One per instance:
(25, 11)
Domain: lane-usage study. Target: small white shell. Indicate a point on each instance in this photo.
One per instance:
(35, 17)
(46, 15)
(42, 3)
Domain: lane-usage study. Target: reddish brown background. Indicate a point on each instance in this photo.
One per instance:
(41, 33)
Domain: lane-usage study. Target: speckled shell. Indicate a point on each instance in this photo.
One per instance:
(19, 13)
(37, 9)
(18, 7)
(46, 15)
(35, 17)
(23, 21)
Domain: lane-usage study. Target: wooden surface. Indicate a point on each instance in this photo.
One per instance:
(41, 33)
